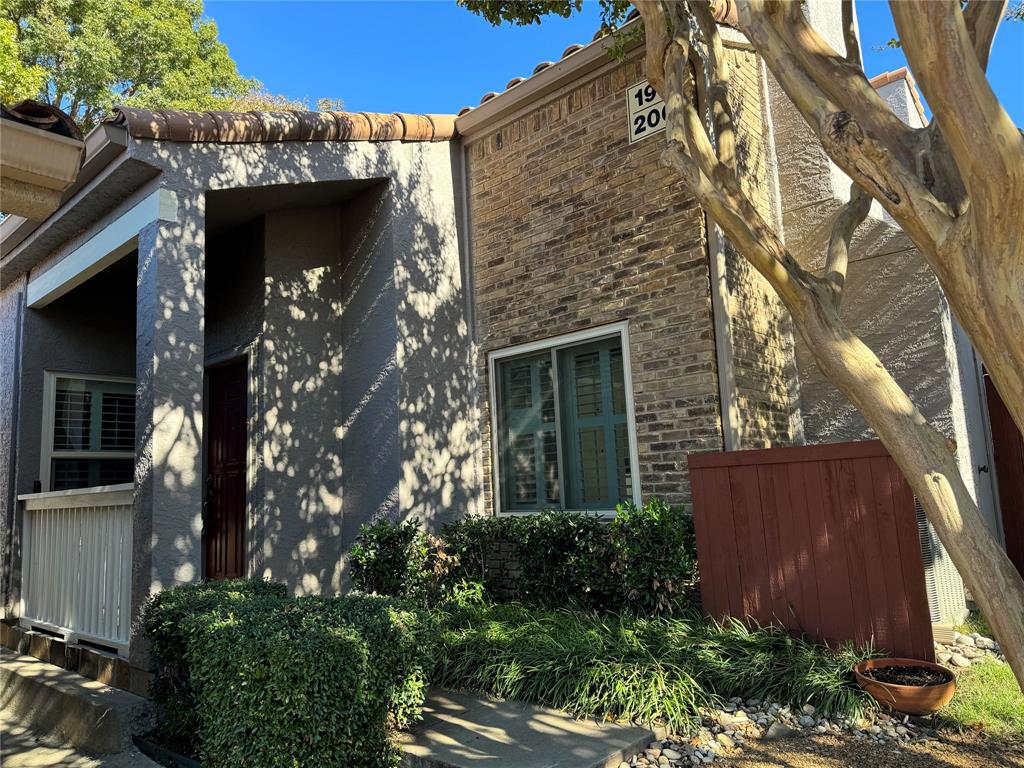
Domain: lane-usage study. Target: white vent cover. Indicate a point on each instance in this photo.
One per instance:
(942, 580)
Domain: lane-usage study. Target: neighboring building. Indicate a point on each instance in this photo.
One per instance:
(254, 332)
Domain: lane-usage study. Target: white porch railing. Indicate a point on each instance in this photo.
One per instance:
(77, 563)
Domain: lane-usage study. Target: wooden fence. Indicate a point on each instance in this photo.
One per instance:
(820, 539)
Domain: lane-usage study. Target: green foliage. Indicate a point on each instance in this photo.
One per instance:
(642, 670)
(644, 560)
(563, 556)
(523, 12)
(85, 56)
(987, 697)
(655, 555)
(975, 622)
(18, 80)
(250, 677)
(389, 559)
(166, 624)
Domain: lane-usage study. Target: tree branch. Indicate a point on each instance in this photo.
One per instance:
(982, 19)
(985, 144)
(850, 217)
(717, 72)
(853, 54)
(870, 161)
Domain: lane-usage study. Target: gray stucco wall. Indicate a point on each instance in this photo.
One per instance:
(891, 298)
(234, 289)
(11, 309)
(363, 368)
(91, 330)
(369, 406)
(300, 374)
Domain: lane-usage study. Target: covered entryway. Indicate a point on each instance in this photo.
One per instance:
(224, 502)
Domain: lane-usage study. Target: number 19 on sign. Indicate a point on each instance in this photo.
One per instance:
(646, 111)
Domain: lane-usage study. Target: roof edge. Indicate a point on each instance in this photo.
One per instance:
(102, 144)
(903, 73)
(290, 125)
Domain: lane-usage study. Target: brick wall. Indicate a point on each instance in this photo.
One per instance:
(573, 228)
(762, 340)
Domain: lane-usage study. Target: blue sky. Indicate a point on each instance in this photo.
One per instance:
(433, 56)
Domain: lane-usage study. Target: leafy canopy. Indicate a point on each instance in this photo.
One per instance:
(85, 56)
(523, 12)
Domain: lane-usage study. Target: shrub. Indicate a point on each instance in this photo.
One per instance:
(389, 559)
(655, 556)
(255, 678)
(639, 669)
(271, 691)
(644, 560)
(566, 555)
(165, 622)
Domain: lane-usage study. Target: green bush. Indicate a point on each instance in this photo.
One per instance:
(272, 691)
(389, 559)
(655, 556)
(250, 677)
(165, 623)
(645, 560)
(639, 669)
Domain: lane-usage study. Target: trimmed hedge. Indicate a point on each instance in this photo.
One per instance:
(643, 561)
(249, 677)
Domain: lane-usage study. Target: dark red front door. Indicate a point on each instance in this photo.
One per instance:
(224, 519)
(1008, 453)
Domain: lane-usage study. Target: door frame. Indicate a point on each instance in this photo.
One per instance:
(250, 354)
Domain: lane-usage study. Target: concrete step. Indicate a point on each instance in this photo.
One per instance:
(74, 710)
(24, 748)
(461, 730)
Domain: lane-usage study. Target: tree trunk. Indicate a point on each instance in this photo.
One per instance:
(923, 455)
(930, 468)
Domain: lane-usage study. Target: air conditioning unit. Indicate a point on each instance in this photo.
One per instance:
(946, 599)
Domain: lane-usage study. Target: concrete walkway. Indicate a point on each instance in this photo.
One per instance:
(21, 747)
(463, 731)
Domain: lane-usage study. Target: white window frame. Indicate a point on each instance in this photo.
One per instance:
(46, 452)
(553, 344)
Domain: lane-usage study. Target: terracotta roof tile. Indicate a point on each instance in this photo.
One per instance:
(725, 12)
(289, 125)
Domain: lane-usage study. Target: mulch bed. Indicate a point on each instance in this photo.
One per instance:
(908, 675)
(966, 750)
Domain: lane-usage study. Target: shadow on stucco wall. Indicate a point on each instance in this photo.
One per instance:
(364, 377)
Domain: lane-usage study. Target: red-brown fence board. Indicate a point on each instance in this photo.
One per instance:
(821, 539)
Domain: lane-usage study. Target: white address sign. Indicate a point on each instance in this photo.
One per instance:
(646, 111)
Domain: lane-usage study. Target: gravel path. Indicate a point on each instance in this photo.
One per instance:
(832, 751)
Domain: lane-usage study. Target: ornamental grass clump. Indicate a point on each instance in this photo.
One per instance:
(643, 670)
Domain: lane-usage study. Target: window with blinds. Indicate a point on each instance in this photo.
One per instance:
(564, 429)
(92, 433)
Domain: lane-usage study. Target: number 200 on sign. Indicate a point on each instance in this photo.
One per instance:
(646, 111)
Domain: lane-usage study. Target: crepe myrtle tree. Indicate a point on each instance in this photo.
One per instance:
(956, 187)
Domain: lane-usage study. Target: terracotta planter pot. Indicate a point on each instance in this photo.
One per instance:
(908, 699)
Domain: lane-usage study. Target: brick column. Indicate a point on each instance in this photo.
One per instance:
(167, 535)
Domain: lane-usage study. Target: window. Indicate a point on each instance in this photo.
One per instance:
(563, 424)
(89, 432)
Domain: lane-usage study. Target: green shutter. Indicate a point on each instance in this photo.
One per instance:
(594, 426)
(529, 460)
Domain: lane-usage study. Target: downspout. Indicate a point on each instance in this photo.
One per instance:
(10, 512)
(727, 397)
(463, 217)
